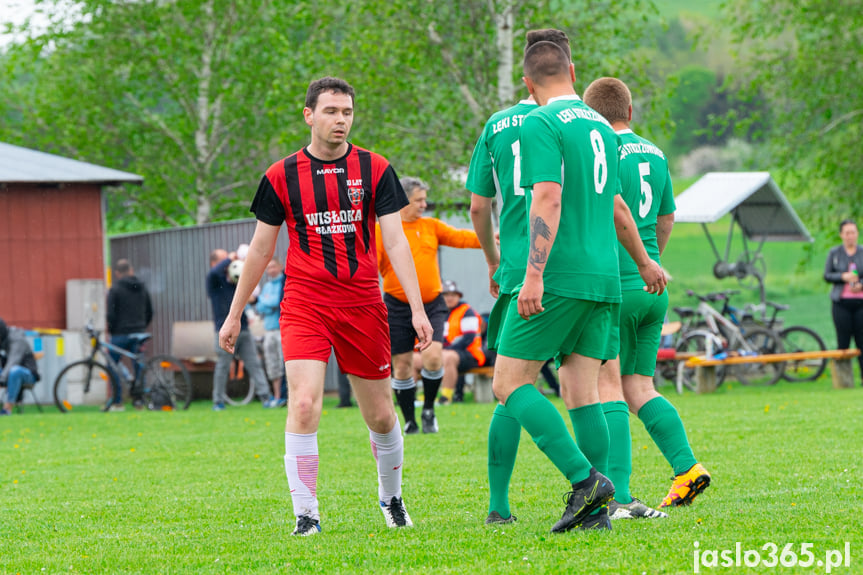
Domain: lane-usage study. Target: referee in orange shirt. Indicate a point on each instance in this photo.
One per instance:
(424, 236)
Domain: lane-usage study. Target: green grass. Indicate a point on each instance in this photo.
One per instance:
(205, 492)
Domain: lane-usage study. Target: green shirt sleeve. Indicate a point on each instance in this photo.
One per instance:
(480, 176)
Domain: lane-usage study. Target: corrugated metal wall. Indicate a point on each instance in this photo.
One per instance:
(174, 263)
(47, 235)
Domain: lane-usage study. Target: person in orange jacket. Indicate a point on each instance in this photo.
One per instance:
(424, 236)
(463, 346)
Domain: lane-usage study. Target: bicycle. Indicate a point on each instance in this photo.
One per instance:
(89, 381)
(711, 333)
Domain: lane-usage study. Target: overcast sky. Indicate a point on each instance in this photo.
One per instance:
(14, 11)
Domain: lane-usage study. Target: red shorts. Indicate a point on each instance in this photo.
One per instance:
(359, 336)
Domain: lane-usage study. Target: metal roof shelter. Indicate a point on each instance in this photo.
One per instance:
(757, 206)
(23, 166)
(755, 201)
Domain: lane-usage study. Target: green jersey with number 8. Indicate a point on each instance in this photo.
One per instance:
(646, 188)
(569, 143)
(494, 168)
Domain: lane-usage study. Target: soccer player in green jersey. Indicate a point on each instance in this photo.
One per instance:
(495, 168)
(567, 303)
(626, 384)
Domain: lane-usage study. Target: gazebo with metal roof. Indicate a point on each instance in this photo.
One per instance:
(756, 205)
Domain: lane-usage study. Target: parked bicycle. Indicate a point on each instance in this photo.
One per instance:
(162, 381)
(795, 338)
(707, 331)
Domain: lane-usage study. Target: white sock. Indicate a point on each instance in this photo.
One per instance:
(388, 449)
(301, 467)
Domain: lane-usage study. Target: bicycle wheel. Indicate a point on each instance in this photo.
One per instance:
(798, 338)
(759, 341)
(166, 383)
(82, 383)
(240, 390)
(696, 342)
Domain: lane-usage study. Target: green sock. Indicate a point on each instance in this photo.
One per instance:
(504, 434)
(591, 434)
(665, 427)
(543, 421)
(619, 448)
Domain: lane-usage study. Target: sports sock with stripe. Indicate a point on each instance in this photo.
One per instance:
(301, 467)
(406, 395)
(388, 449)
(619, 449)
(665, 427)
(504, 433)
(431, 384)
(545, 425)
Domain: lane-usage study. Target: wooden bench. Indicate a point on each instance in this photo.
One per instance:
(841, 367)
(482, 378)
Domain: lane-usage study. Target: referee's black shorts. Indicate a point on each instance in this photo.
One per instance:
(402, 334)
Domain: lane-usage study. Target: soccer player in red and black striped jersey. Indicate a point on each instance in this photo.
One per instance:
(328, 195)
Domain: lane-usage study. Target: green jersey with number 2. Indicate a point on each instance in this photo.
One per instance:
(646, 188)
(494, 169)
(569, 143)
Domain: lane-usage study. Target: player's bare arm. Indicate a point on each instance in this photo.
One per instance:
(399, 252)
(480, 215)
(663, 230)
(627, 235)
(260, 253)
(544, 220)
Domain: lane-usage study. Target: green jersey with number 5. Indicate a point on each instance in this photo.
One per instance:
(569, 143)
(646, 188)
(494, 169)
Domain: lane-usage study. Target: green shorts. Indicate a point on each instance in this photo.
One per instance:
(641, 318)
(567, 326)
(496, 318)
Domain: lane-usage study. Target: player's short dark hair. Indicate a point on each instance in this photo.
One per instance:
(327, 84)
(845, 222)
(610, 97)
(545, 60)
(122, 267)
(410, 184)
(549, 35)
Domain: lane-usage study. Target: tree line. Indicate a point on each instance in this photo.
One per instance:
(200, 96)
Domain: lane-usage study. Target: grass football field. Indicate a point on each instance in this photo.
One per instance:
(205, 492)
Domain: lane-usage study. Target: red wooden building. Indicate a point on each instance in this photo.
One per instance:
(52, 229)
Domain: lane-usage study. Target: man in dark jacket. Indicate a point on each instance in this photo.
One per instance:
(18, 364)
(129, 311)
(220, 290)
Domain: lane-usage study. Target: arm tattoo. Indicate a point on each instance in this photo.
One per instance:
(538, 255)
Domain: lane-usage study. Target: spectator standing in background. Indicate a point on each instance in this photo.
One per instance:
(221, 292)
(843, 268)
(129, 311)
(269, 307)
